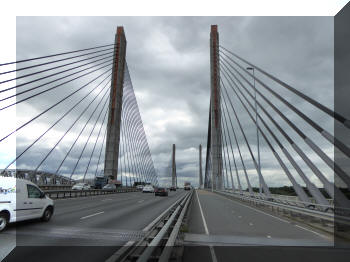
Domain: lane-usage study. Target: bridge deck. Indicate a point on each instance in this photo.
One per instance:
(218, 222)
(79, 231)
(228, 217)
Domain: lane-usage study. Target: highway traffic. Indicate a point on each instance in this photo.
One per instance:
(103, 222)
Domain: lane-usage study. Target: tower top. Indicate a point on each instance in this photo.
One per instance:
(120, 30)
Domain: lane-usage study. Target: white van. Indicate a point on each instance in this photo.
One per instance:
(22, 200)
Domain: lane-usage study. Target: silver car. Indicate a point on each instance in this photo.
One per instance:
(81, 186)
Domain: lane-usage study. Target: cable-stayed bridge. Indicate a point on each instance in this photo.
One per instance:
(94, 129)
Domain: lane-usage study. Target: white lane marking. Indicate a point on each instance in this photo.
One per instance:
(140, 201)
(285, 221)
(108, 199)
(268, 236)
(239, 216)
(99, 213)
(323, 236)
(250, 224)
(203, 218)
(212, 251)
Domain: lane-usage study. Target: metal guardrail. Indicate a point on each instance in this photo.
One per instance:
(275, 206)
(173, 236)
(161, 234)
(55, 187)
(293, 201)
(58, 194)
(282, 198)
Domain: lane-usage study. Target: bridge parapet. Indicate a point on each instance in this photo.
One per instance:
(41, 178)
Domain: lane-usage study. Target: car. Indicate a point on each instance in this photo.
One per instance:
(110, 187)
(21, 200)
(139, 187)
(81, 186)
(172, 188)
(187, 187)
(161, 191)
(148, 189)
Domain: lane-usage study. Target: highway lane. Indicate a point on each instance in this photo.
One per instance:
(229, 217)
(96, 225)
(222, 225)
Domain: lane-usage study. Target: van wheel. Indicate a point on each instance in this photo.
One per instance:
(47, 214)
(3, 221)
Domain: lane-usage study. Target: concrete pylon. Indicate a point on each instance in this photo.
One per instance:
(215, 109)
(173, 173)
(115, 106)
(200, 167)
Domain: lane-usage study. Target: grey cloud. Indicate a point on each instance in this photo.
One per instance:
(168, 59)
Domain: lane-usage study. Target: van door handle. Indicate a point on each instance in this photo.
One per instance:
(27, 203)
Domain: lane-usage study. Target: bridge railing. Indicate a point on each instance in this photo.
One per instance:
(288, 200)
(55, 187)
(58, 194)
(160, 236)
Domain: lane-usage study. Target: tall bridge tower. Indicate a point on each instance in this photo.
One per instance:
(215, 110)
(115, 105)
(200, 168)
(173, 169)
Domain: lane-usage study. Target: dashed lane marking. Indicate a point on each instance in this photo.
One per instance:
(285, 221)
(92, 215)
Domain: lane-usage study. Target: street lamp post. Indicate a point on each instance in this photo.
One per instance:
(257, 131)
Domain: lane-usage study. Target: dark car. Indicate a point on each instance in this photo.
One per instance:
(172, 188)
(161, 191)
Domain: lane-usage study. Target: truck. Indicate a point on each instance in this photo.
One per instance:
(187, 186)
(100, 182)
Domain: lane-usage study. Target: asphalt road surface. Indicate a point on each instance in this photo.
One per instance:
(87, 228)
(221, 229)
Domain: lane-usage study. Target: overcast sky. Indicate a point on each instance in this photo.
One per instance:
(168, 60)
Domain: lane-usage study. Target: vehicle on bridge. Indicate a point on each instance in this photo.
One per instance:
(161, 191)
(100, 182)
(148, 189)
(110, 187)
(81, 186)
(172, 188)
(136, 184)
(21, 200)
(139, 187)
(187, 186)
